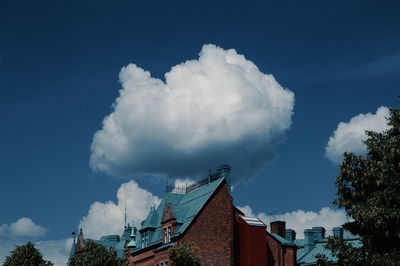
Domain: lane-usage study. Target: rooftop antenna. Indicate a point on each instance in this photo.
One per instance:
(125, 216)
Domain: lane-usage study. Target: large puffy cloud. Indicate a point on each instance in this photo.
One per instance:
(349, 137)
(300, 220)
(108, 218)
(23, 228)
(217, 109)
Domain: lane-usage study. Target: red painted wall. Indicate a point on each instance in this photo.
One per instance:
(252, 244)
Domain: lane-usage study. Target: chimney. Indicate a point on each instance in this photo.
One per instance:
(279, 228)
(319, 233)
(338, 232)
(290, 235)
(224, 171)
(309, 239)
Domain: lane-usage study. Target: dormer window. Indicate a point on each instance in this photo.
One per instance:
(145, 239)
(167, 234)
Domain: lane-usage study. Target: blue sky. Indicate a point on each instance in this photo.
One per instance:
(59, 67)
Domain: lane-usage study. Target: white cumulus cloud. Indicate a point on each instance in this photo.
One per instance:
(23, 228)
(108, 218)
(349, 137)
(219, 108)
(300, 220)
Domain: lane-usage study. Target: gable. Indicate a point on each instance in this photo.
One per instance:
(182, 207)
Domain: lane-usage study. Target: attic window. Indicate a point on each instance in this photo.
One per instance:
(167, 234)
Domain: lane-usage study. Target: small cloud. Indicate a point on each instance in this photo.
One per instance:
(247, 211)
(388, 65)
(219, 108)
(56, 251)
(108, 218)
(183, 182)
(349, 137)
(23, 228)
(300, 220)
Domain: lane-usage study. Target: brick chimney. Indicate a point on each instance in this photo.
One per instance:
(279, 228)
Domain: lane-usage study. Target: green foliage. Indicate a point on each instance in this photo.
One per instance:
(94, 254)
(184, 254)
(368, 188)
(345, 252)
(26, 255)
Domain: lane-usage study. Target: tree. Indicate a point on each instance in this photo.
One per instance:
(368, 188)
(26, 255)
(184, 254)
(94, 254)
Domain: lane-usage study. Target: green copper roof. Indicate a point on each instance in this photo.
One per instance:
(185, 208)
(120, 246)
(305, 257)
(282, 240)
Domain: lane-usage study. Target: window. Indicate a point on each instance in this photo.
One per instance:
(163, 263)
(145, 239)
(167, 234)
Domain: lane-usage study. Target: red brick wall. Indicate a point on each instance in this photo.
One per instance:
(279, 228)
(278, 254)
(212, 230)
(149, 258)
(290, 256)
(274, 251)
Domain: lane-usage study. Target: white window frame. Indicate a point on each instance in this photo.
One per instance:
(145, 239)
(167, 234)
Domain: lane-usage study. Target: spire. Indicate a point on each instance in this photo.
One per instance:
(80, 244)
(73, 246)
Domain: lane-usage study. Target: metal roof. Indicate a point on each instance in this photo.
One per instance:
(252, 221)
(282, 240)
(305, 257)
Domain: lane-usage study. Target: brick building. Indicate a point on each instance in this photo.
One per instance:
(204, 214)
